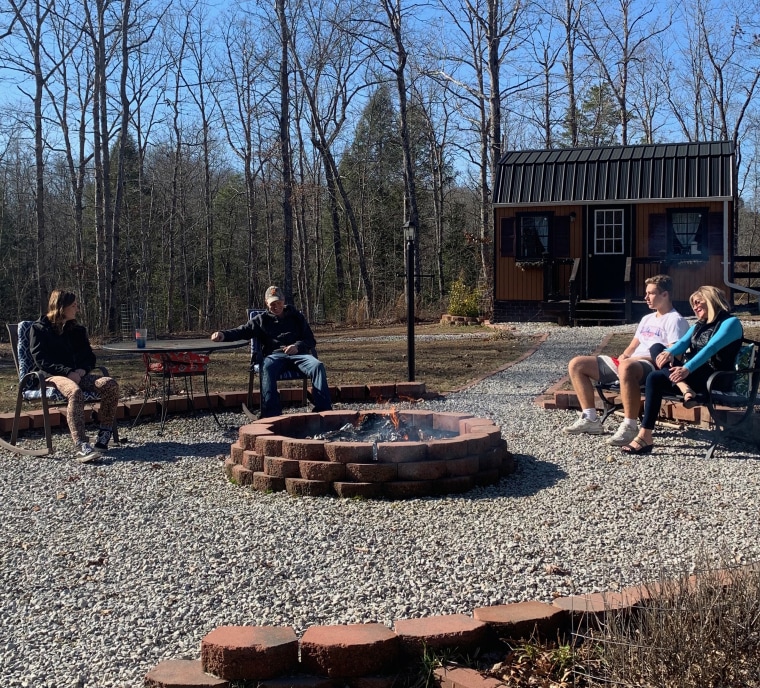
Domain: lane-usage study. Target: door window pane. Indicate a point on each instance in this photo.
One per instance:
(609, 233)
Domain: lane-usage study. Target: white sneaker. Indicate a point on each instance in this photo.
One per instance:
(623, 435)
(585, 426)
(85, 453)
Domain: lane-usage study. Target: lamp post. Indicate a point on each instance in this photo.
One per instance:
(410, 236)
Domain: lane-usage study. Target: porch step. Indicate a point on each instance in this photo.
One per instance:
(599, 312)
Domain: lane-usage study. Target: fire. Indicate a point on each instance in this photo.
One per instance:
(394, 417)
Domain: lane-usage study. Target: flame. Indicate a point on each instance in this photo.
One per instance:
(394, 417)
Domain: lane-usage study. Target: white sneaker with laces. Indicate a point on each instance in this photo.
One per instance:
(623, 435)
(585, 426)
(85, 453)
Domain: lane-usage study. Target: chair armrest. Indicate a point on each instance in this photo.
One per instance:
(739, 400)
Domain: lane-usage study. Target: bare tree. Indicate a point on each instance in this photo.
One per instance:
(489, 30)
(327, 78)
(616, 33)
(32, 19)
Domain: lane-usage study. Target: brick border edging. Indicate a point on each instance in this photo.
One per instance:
(372, 655)
(31, 418)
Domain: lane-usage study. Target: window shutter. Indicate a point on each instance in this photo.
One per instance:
(507, 239)
(560, 246)
(715, 233)
(658, 235)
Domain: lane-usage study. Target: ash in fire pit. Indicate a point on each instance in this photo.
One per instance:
(376, 427)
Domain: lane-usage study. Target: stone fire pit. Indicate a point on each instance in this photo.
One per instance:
(278, 454)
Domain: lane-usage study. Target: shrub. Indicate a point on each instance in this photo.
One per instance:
(463, 300)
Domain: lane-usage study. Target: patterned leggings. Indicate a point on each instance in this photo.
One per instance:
(106, 387)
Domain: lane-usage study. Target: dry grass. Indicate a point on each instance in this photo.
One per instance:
(351, 356)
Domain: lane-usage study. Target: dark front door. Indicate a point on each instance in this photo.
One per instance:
(608, 241)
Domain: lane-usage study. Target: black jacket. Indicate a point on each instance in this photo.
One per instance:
(275, 332)
(59, 354)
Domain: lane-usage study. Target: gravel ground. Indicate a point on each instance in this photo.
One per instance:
(108, 569)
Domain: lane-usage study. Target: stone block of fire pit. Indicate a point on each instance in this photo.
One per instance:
(478, 443)
(322, 470)
(475, 425)
(266, 483)
(253, 460)
(417, 418)
(372, 472)
(439, 632)
(483, 478)
(182, 673)
(353, 490)
(422, 470)
(349, 651)
(236, 452)
(492, 458)
(349, 452)
(332, 420)
(301, 681)
(304, 450)
(242, 475)
(448, 421)
(401, 452)
(409, 489)
(238, 653)
(469, 465)
(298, 487)
(248, 440)
(278, 467)
(269, 445)
(447, 448)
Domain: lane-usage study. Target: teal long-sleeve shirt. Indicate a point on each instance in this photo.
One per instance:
(728, 331)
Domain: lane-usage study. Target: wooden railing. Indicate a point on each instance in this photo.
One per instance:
(573, 289)
(628, 282)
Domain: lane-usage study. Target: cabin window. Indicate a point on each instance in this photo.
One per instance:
(609, 233)
(533, 237)
(687, 232)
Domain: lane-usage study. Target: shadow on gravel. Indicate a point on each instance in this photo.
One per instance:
(532, 476)
(163, 452)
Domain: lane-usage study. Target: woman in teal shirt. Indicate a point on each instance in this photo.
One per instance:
(711, 344)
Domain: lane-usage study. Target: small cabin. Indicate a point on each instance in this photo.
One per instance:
(579, 230)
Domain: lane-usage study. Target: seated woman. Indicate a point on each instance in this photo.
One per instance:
(60, 349)
(711, 344)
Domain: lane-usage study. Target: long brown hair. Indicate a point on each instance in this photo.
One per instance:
(59, 300)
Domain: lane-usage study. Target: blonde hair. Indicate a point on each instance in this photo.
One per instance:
(714, 299)
(60, 299)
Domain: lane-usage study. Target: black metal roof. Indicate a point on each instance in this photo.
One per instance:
(616, 173)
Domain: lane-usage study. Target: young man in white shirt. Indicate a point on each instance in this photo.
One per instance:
(665, 326)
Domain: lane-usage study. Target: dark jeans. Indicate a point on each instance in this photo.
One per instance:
(658, 385)
(277, 363)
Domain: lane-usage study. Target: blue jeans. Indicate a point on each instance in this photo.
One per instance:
(277, 363)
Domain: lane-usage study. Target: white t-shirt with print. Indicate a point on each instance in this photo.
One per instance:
(663, 329)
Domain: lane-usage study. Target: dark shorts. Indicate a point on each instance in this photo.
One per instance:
(608, 371)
